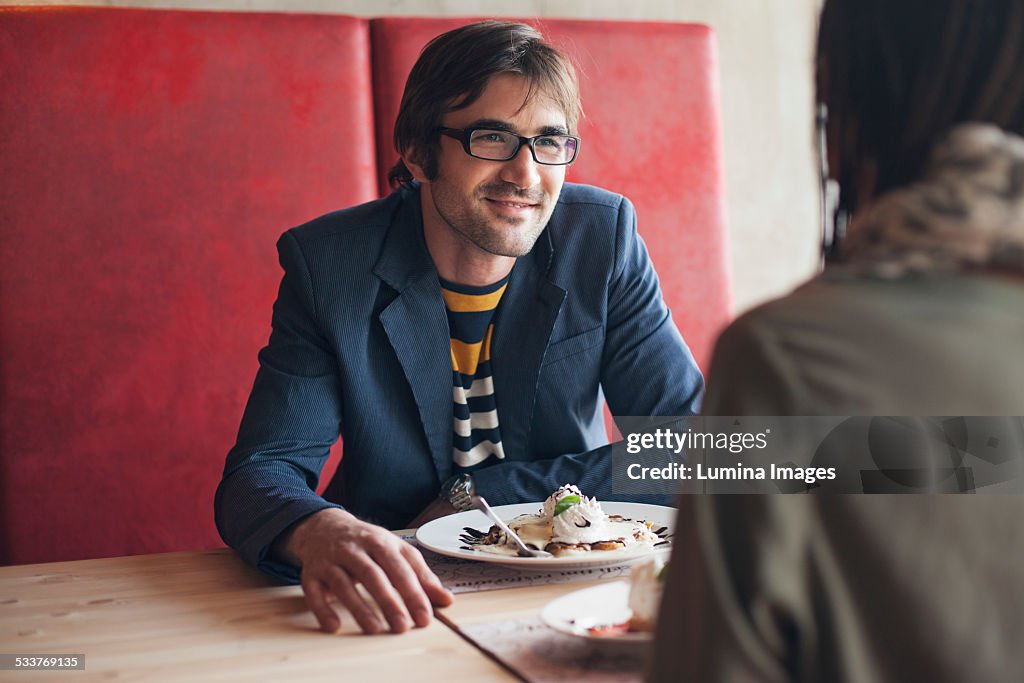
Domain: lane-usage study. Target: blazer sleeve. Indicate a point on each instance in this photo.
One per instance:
(647, 370)
(292, 418)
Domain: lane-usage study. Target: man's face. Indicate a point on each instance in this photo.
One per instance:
(498, 207)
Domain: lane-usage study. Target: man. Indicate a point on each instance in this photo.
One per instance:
(457, 333)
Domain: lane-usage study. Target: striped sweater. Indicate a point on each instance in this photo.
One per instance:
(471, 323)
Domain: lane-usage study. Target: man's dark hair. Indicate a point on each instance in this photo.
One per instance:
(897, 76)
(452, 72)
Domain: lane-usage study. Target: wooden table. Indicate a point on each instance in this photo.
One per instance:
(206, 615)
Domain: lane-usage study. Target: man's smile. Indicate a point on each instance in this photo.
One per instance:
(509, 206)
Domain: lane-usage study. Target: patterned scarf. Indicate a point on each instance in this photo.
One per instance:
(965, 213)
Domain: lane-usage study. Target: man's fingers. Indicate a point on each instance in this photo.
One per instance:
(365, 569)
(436, 592)
(316, 600)
(343, 588)
(392, 559)
(338, 552)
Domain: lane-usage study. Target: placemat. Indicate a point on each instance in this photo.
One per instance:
(539, 654)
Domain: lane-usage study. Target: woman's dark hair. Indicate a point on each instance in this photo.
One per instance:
(897, 76)
(452, 72)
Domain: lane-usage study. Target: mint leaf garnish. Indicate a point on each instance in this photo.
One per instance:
(566, 502)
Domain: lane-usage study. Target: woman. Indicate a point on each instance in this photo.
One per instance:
(921, 313)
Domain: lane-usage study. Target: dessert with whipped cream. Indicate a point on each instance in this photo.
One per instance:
(571, 523)
(646, 583)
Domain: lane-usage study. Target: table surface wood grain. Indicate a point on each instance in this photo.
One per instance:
(206, 615)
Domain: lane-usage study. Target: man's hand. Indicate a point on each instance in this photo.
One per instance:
(337, 551)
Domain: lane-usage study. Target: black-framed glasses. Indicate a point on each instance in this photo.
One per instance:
(501, 145)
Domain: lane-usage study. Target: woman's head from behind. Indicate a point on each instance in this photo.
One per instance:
(898, 76)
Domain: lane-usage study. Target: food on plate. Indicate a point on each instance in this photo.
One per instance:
(571, 523)
(608, 630)
(646, 583)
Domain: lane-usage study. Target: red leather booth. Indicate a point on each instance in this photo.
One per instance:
(149, 159)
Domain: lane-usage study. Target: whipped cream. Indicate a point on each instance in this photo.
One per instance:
(580, 522)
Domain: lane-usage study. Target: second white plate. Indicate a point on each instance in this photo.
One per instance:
(604, 605)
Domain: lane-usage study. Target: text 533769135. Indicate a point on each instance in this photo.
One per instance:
(41, 662)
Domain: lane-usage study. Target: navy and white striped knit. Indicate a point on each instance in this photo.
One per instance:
(471, 323)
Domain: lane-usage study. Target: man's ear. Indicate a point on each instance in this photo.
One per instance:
(411, 159)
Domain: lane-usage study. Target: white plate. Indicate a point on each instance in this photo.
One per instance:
(602, 605)
(443, 537)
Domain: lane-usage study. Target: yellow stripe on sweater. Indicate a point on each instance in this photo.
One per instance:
(466, 357)
(472, 303)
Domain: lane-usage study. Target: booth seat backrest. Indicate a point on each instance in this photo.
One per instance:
(148, 162)
(149, 159)
(651, 131)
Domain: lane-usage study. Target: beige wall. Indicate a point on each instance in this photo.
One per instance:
(765, 51)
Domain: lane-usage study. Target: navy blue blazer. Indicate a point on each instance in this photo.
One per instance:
(360, 347)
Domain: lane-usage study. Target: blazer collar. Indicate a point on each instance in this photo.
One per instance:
(404, 260)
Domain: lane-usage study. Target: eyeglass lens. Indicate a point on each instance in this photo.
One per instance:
(498, 145)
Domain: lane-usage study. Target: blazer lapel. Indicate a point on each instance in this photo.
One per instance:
(416, 324)
(526, 316)
(417, 327)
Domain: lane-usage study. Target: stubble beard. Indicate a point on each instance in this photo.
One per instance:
(473, 225)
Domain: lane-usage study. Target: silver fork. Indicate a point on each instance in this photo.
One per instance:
(522, 549)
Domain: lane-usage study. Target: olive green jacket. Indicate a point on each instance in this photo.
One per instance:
(857, 587)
